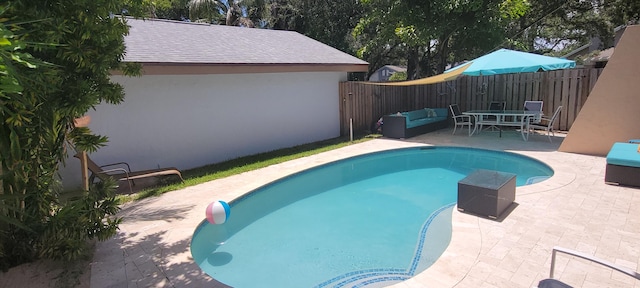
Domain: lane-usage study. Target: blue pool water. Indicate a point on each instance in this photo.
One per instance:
(367, 221)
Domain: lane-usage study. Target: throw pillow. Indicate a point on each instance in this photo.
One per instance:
(431, 113)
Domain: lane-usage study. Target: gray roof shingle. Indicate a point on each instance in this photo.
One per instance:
(164, 41)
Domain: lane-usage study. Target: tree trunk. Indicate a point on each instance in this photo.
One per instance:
(413, 58)
(442, 54)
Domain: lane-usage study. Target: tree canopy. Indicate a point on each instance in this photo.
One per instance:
(427, 36)
(229, 12)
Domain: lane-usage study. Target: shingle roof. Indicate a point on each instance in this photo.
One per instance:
(164, 41)
(395, 68)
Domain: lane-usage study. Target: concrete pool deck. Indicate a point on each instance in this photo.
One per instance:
(573, 209)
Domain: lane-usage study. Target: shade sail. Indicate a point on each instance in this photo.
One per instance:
(429, 80)
(505, 61)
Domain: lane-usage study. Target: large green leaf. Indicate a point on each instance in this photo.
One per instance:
(16, 150)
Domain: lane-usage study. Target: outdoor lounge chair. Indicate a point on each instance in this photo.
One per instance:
(623, 164)
(459, 119)
(125, 174)
(554, 283)
(547, 123)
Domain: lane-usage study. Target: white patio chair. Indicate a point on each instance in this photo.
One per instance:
(494, 106)
(546, 124)
(459, 119)
(554, 283)
(534, 106)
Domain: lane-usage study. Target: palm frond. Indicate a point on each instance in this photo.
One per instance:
(208, 10)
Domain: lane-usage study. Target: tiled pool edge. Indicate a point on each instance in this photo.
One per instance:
(466, 240)
(362, 278)
(457, 259)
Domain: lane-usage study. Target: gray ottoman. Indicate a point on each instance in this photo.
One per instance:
(486, 192)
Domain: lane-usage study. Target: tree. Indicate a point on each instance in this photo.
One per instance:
(375, 37)
(71, 47)
(430, 34)
(480, 29)
(170, 9)
(229, 12)
(329, 22)
(285, 15)
(556, 27)
(622, 12)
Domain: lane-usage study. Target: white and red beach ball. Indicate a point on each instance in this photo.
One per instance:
(218, 212)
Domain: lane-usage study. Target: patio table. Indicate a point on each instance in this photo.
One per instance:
(513, 118)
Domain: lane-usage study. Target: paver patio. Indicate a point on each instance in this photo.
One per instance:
(573, 209)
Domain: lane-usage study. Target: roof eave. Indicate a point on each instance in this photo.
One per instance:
(152, 68)
(576, 51)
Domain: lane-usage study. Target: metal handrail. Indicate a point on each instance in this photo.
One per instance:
(613, 266)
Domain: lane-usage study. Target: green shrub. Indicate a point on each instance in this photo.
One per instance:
(398, 76)
(55, 62)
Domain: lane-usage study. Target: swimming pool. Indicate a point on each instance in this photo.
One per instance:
(370, 220)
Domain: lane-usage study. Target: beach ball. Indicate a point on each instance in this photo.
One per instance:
(218, 212)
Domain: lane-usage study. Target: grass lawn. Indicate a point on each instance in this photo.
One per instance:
(236, 166)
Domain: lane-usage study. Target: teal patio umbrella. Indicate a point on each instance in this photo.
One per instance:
(505, 61)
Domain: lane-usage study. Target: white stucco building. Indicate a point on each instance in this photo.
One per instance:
(211, 93)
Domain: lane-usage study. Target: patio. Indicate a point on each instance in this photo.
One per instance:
(573, 209)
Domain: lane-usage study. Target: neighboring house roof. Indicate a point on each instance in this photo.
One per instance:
(154, 42)
(577, 52)
(394, 68)
(382, 74)
(604, 55)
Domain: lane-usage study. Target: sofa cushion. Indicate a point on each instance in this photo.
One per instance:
(423, 121)
(441, 112)
(624, 154)
(430, 112)
(416, 114)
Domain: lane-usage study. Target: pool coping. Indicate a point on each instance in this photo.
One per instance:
(152, 246)
(466, 239)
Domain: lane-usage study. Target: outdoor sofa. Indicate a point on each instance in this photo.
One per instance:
(416, 122)
(623, 164)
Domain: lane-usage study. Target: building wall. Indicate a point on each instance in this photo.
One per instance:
(187, 121)
(376, 76)
(610, 113)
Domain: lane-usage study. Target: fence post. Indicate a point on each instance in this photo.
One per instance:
(350, 117)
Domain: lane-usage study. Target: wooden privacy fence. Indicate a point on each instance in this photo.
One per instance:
(366, 103)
